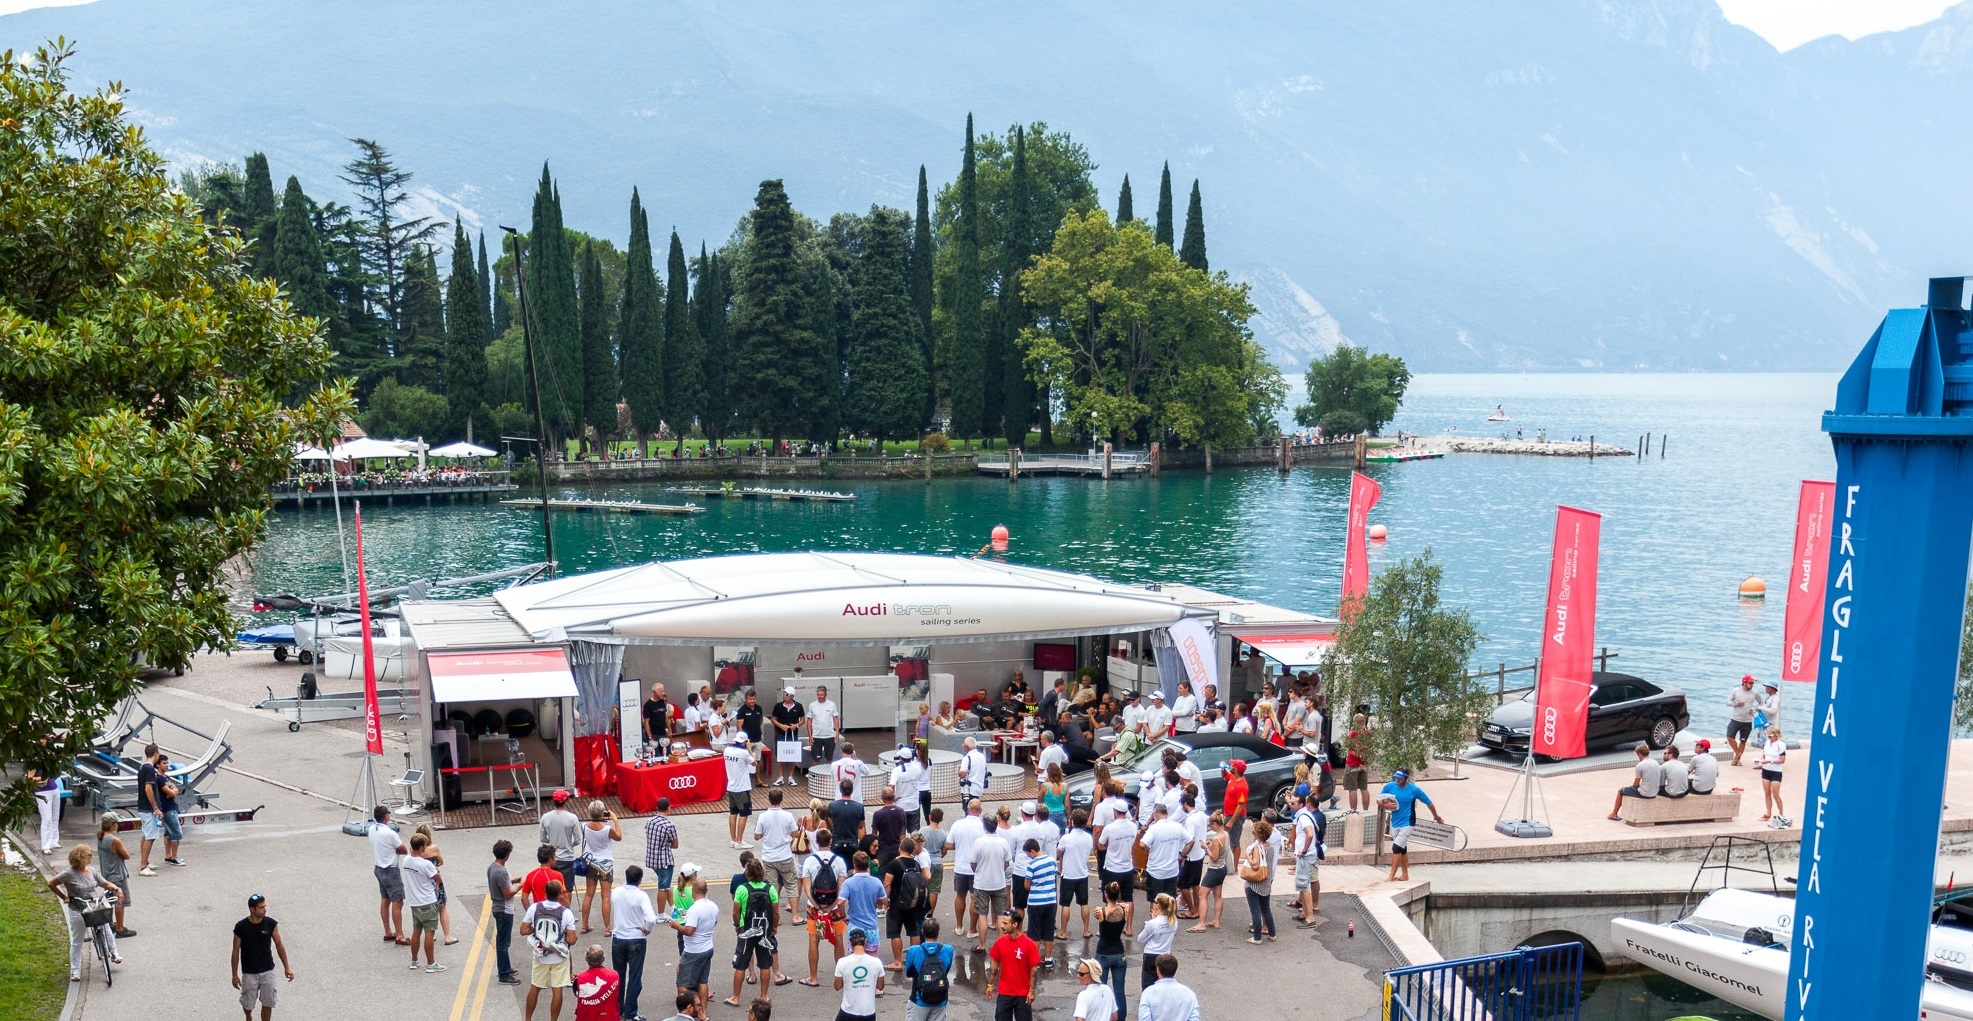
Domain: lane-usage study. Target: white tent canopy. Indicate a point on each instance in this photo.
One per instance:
(460, 449)
(307, 452)
(833, 599)
(365, 448)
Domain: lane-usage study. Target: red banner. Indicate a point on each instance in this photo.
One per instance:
(1801, 634)
(1364, 493)
(1568, 637)
(373, 727)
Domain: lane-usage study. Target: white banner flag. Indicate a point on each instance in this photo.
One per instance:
(1198, 651)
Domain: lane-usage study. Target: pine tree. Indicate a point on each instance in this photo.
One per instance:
(465, 337)
(1193, 251)
(294, 259)
(552, 303)
(968, 394)
(486, 291)
(599, 367)
(389, 237)
(1124, 213)
(708, 315)
(776, 349)
(684, 355)
(356, 332)
(1164, 234)
(1016, 391)
(921, 296)
(255, 216)
(641, 332)
(886, 377)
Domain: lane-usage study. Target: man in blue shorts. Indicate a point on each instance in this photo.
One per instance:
(1400, 797)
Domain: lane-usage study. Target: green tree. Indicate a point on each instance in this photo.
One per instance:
(216, 188)
(1962, 707)
(1405, 653)
(485, 277)
(465, 338)
(684, 354)
(640, 331)
(1352, 391)
(143, 414)
(1192, 251)
(501, 289)
(294, 259)
(552, 303)
(709, 302)
(256, 212)
(886, 380)
(421, 343)
(778, 356)
(396, 409)
(600, 388)
(1125, 213)
(968, 373)
(922, 297)
(1164, 233)
(389, 235)
(1015, 393)
(357, 333)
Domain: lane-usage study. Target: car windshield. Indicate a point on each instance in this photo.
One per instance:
(1149, 754)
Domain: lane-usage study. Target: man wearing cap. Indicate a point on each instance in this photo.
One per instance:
(1401, 797)
(1157, 719)
(787, 716)
(1234, 804)
(1309, 826)
(561, 830)
(1095, 1001)
(909, 778)
(1770, 703)
(739, 789)
(1133, 713)
(1703, 772)
(1740, 703)
(1017, 838)
(750, 717)
(822, 717)
(972, 770)
(256, 939)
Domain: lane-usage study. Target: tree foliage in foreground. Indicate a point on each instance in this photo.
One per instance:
(1404, 654)
(1962, 709)
(1353, 391)
(142, 371)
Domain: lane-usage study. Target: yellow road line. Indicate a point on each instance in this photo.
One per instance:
(485, 982)
(472, 959)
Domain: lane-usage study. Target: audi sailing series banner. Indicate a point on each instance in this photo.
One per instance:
(1364, 492)
(1568, 641)
(1801, 632)
(373, 725)
(1198, 651)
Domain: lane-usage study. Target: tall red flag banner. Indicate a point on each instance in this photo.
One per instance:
(373, 727)
(1801, 632)
(1568, 641)
(1364, 492)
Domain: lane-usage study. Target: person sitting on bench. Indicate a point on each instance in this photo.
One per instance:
(1645, 781)
(1676, 782)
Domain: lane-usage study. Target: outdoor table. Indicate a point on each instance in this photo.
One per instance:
(688, 783)
(1013, 743)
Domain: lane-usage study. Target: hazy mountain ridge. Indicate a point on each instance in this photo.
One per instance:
(1559, 184)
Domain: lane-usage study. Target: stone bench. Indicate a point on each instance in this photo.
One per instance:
(1720, 807)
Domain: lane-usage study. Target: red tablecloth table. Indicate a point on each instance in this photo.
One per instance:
(640, 787)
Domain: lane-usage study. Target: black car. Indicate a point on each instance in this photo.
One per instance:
(1270, 770)
(1623, 709)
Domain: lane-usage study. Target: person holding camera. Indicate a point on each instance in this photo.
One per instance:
(599, 858)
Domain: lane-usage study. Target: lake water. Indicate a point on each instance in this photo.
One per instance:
(1679, 531)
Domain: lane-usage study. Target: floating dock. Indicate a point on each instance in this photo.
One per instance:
(1088, 466)
(608, 506)
(1401, 456)
(763, 493)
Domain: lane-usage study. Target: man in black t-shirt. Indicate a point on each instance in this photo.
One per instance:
(889, 825)
(256, 939)
(657, 716)
(748, 716)
(787, 715)
(846, 820)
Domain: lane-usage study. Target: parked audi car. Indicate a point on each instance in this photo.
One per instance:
(1270, 770)
(1623, 709)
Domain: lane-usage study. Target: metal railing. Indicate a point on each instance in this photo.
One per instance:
(1526, 984)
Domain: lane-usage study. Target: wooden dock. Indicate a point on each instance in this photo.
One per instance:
(1401, 456)
(290, 496)
(1083, 465)
(608, 506)
(762, 493)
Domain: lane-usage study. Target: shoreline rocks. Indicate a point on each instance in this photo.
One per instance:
(1533, 448)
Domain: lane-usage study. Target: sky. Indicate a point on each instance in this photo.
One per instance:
(1784, 23)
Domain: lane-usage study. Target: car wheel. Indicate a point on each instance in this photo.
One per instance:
(1279, 800)
(1663, 732)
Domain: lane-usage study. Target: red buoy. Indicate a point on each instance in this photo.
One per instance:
(1000, 538)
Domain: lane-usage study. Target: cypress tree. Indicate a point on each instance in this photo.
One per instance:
(255, 215)
(465, 336)
(1124, 212)
(886, 377)
(294, 259)
(641, 332)
(921, 296)
(497, 287)
(1193, 251)
(683, 354)
(709, 324)
(421, 344)
(776, 350)
(1016, 391)
(552, 301)
(1164, 235)
(968, 393)
(599, 367)
(486, 290)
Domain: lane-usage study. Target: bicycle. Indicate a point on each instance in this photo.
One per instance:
(97, 914)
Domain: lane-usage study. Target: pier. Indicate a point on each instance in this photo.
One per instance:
(289, 494)
(609, 506)
(1086, 465)
(762, 493)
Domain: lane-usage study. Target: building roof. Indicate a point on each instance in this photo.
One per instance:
(440, 625)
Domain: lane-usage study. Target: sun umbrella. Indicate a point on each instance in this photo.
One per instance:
(460, 449)
(305, 452)
(366, 448)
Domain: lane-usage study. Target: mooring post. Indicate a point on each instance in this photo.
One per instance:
(1013, 463)
(1362, 449)
(1661, 447)
(1287, 455)
(1106, 458)
(928, 465)
(1592, 447)
(1157, 460)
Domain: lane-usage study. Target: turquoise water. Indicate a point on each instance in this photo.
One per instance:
(1679, 532)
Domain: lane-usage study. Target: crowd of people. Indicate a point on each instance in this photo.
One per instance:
(1753, 723)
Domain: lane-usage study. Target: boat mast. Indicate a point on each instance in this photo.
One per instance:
(540, 420)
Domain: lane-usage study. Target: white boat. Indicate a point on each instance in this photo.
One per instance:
(1499, 414)
(1734, 945)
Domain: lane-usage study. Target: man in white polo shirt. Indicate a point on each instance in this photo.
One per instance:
(822, 720)
(739, 789)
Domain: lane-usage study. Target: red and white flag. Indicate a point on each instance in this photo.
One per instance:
(1364, 492)
(373, 727)
(1801, 632)
(1568, 640)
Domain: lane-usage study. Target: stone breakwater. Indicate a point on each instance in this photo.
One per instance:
(1536, 448)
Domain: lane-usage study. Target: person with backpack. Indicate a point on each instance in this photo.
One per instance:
(928, 966)
(1310, 828)
(547, 924)
(756, 919)
(822, 877)
(907, 888)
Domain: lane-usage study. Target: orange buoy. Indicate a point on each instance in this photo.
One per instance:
(1378, 533)
(1753, 588)
(1000, 537)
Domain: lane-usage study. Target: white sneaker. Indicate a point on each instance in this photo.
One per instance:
(147, 871)
(414, 964)
(434, 969)
(733, 844)
(745, 845)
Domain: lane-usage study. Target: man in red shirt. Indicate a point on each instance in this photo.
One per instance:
(597, 990)
(1235, 805)
(1356, 772)
(1010, 964)
(534, 885)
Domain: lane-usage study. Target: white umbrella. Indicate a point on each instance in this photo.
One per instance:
(461, 449)
(305, 452)
(366, 448)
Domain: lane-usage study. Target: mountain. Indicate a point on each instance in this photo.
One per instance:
(1549, 184)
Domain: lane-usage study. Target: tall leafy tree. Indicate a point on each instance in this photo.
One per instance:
(1125, 213)
(143, 416)
(295, 256)
(709, 306)
(358, 331)
(600, 388)
(1015, 392)
(1164, 230)
(968, 383)
(778, 356)
(886, 378)
(390, 234)
(1193, 251)
(684, 354)
(1353, 391)
(640, 331)
(465, 338)
(922, 295)
(552, 302)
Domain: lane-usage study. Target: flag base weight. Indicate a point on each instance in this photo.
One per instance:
(1529, 787)
(1522, 828)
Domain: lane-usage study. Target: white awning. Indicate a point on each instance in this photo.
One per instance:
(460, 449)
(491, 676)
(1290, 649)
(367, 448)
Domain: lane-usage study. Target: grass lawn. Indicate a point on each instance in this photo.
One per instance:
(34, 954)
